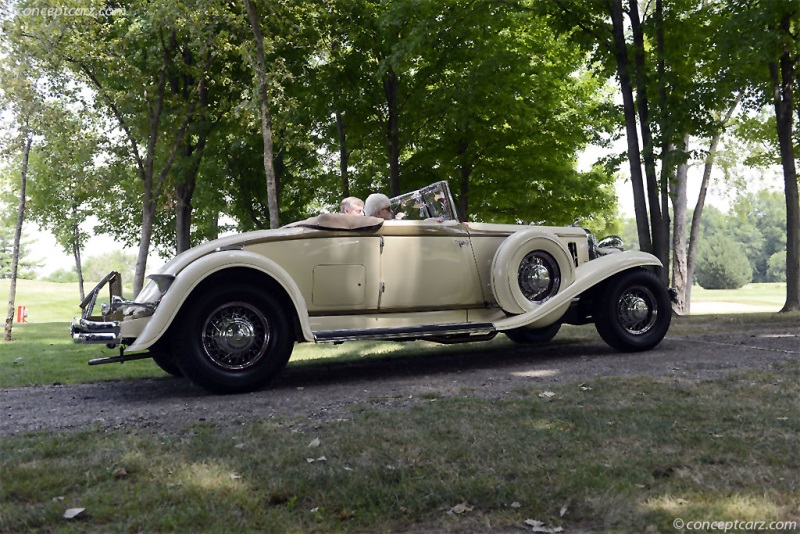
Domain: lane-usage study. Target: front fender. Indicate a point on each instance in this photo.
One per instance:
(587, 276)
(190, 277)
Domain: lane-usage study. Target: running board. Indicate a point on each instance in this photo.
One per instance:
(403, 332)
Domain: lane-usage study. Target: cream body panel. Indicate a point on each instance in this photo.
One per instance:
(133, 327)
(201, 269)
(386, 320)
(586, 276)
(435, 271)
(314, 263)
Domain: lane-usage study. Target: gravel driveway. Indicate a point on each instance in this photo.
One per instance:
(332, 391)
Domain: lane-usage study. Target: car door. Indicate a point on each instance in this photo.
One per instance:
(427, 266)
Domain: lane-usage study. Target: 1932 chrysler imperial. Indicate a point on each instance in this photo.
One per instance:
(226, 314)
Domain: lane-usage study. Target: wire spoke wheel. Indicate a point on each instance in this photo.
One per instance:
(235, 336)
(538, 276)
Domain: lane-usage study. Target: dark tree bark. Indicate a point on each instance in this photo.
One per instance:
(632, 135)
(657, 227)
(783, 78)
(466, 169)
(391, 86)
(344, 155)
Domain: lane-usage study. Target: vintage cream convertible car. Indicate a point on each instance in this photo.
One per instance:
(226, 314)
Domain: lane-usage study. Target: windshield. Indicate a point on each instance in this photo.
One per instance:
(433, 201)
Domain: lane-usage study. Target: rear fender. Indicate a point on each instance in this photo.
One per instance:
(587, 276)
(194, 274)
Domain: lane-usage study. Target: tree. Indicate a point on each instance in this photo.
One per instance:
(65, 180)
(266, 122)
(23, 104)
(761, 41)
(722, 264)
(127, 57)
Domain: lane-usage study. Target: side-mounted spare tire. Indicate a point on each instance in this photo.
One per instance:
(528, 269)
(632, 311)
(236, 338)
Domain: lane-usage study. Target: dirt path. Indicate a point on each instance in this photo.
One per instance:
(328, 392)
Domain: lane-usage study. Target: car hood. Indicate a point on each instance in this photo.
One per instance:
(231, 242)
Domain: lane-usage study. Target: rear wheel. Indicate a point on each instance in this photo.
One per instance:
(533, 335)
(633, 311)
(236, 339)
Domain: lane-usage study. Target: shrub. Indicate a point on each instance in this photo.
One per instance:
(722, 264)
(776, 267)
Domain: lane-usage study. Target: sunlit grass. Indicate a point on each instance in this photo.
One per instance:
(750, 298)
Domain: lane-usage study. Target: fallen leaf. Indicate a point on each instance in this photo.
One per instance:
(72, 513)
(539, 526)
(119, 472)
(314, 443)
(460, 509)
(563, 511)
(516, 505)
(344, 515)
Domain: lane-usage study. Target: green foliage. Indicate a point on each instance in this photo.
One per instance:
(96, 267)
(26, 269)
(776, 267)
(62, 276)
(722, 264)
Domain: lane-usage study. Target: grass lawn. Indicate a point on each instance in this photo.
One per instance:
(751, 298)
(613, 455)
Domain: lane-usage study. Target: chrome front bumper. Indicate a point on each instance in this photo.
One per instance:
(87, 331)
(104, 329)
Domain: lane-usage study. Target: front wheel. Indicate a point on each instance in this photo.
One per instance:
(236, 339)
(167, 364)
(633, 311)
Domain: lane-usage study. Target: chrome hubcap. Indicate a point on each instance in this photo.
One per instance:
(539, 276)
(235, 336)
(637, 310)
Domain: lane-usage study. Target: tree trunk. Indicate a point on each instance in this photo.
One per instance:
(344, 155)
(660, 239)
(12, 290)
(391, 85)
(783, 80)
(145, 236)
(679, 207)
(466, 172)
(266, 121)
(76, 253)
(631, 133)
(694, 233)
(183, 215)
